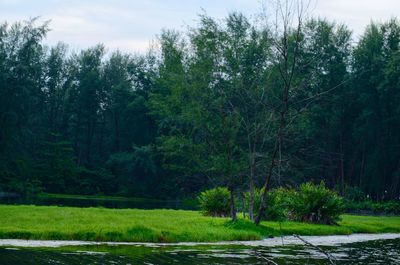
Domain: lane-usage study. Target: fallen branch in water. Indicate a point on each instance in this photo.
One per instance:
(269, 261)
(330, 258)
(259, 255)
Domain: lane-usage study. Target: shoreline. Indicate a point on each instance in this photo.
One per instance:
(330, 240)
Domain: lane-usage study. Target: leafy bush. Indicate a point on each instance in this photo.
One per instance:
(246, 202)
(310, 203)
(316, 204)
(215, 202)
(390, 207)
(278, 201)
(370, 207)
(355, 194)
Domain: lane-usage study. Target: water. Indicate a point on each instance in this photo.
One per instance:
(370, 252)
(107, 202)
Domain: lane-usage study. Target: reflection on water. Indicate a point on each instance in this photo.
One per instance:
(371, 252)
(107, 202)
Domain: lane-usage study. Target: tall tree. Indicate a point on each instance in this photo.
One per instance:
(288, 39)
(88, 102)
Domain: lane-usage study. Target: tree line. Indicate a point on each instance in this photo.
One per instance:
(235, 102)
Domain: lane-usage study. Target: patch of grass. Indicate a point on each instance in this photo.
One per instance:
(134, 225)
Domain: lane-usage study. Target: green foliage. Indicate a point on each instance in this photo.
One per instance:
(316, 204)
(202, 110)
(93, 182)
(370, 207)
(355, 194)
(19, 176)
(246, 201)
(310, 203)
(390, 207)
(56, 165)
(131, 168)
(215, 202)
(278, 203)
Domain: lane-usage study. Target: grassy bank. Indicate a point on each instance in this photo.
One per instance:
(100, 224)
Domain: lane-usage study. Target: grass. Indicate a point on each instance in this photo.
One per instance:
(134, 225)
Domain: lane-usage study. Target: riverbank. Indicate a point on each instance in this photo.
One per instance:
(268, 242)
(134, 225)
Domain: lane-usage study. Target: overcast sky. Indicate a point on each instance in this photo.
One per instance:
(130, 25)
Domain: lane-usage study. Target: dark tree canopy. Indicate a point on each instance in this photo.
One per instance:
(201, 111)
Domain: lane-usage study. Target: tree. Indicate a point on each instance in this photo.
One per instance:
(87, 100)
(375, 90)
(21, 101)
(56, 166)
(287, 43)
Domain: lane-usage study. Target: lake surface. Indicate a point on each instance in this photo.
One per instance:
(369, 252)
(107, 202)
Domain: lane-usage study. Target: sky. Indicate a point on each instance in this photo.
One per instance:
(131, 25)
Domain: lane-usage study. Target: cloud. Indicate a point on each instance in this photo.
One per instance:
(129, 45)
(131, 25)
(357, 14)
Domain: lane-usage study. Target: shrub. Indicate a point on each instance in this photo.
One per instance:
(316, 204)
(355, 194)
(370, 207)
(215, 202)
(389, 207)
(256, 206)
(278, 201)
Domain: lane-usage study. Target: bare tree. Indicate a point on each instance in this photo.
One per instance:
(286, 34)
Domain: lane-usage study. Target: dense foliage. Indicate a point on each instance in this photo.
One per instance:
(201, 111)
(279, 203)
(371, 207)
(316, 204)
(309, 203)
(215, 202)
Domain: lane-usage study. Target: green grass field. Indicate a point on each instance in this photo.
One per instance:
(101, 224)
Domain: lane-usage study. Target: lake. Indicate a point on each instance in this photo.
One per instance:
(100, 201)
(368, 252)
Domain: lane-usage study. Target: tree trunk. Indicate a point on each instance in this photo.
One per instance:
(251, 188)
(263, 196)
(232, 204)
(342, 180)
(287, 67)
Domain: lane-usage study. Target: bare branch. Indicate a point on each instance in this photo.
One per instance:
(329, 256)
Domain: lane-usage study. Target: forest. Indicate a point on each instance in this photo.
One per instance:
(203, 108)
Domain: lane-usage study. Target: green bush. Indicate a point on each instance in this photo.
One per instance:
(215, 202)
(389, 207)
(355, 194)
(246, 202)
(316, 204)
(368, 206)
(310, 203)
(278, 201)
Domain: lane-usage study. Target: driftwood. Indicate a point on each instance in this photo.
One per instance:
(331, 259)
(329, 256)
(259, 255)
(269, 261)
